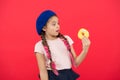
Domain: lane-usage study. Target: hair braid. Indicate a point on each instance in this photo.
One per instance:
(68, 48)
(44, 42)
(66, 41)
(48, 52)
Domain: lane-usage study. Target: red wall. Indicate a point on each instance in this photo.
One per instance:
(18, 36)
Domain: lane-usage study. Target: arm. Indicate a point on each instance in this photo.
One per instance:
(78, 59)
(42, 67)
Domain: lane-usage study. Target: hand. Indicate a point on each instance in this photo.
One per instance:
(85, 43)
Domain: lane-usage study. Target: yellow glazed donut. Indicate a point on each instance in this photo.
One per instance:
(83, 32)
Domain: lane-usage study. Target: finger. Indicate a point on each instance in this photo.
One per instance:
(86, 41)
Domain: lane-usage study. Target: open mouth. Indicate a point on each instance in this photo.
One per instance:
(57, 30)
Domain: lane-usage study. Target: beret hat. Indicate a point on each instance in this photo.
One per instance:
(42, 20)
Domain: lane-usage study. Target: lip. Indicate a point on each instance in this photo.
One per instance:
(57, 30)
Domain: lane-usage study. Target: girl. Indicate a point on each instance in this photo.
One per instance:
(55, 53)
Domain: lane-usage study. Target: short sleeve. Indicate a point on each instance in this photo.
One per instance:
(69, 40)
(38, 47)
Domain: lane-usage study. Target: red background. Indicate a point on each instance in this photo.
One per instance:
(18, 36)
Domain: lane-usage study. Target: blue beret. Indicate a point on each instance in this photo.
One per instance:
(42, 20)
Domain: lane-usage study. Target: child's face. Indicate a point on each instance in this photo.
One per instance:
(52, 28)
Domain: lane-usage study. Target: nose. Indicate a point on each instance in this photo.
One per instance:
(58, 26)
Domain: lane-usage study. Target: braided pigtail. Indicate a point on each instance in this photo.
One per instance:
(65, 42)
(68, 47)
(45, 45)
(48, 52)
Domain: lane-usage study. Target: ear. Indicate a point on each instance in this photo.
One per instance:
(44, 28)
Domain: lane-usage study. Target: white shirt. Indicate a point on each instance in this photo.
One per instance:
(59, 53)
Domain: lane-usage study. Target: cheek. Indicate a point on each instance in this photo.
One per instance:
(50, 29)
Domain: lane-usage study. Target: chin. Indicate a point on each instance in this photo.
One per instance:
(55, 35)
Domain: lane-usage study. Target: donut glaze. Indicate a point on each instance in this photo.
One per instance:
(83, 32)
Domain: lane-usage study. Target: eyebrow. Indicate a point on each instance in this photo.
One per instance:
(54, 21)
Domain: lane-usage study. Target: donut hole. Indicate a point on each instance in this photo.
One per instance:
(83, 33)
